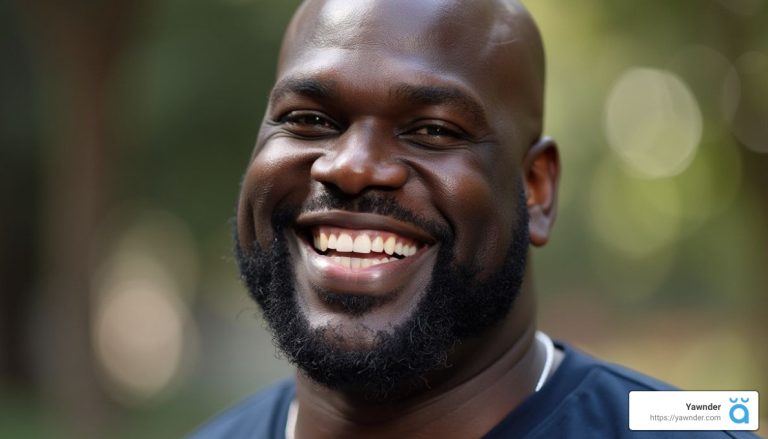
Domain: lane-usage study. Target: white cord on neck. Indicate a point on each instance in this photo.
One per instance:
(549, 349)
(290, 425)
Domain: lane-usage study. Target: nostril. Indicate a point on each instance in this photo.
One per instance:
(353, 173)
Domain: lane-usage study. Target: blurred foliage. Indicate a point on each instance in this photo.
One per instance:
(639, 270)
(191, 93)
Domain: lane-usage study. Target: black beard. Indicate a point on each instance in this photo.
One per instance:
(454, 306)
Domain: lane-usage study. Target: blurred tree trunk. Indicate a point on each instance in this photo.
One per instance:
(18, 190)
(80, 43)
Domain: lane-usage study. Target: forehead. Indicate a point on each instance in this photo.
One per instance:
(482, 46)
(445, 33)
(424, 27)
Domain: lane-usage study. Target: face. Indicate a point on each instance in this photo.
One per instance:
(385, 192)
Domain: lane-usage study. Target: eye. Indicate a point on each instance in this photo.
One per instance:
(308, 124)
(436, 131)
(435, 135)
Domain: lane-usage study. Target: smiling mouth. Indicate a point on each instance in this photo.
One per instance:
(356, 253)
(362, 248)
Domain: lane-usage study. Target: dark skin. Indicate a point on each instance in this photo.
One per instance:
(439, 104)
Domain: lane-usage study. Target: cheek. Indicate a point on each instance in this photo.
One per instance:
(278, 175)
(480, 204)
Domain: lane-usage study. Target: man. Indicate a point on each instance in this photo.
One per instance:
(384, 221)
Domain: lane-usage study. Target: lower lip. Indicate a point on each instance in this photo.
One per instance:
(376, 280)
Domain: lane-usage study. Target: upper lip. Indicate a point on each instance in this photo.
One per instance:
(370, 221)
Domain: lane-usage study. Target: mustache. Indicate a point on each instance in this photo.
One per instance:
(378, 203)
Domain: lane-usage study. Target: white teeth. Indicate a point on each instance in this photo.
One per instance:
(344, 243)
(362, 244)
(359, 263)
(377, 245)
(350, 262)
(389, 245)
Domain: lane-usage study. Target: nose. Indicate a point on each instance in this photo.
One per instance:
(357, 161)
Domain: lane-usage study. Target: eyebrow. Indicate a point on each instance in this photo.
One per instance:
(417, 95)
(437, 95)
(309, 87)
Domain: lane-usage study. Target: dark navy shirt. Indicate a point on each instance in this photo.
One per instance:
(585, 398)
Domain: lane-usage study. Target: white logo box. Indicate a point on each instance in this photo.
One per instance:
(694, 410)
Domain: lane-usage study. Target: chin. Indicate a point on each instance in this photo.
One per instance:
(377, 335)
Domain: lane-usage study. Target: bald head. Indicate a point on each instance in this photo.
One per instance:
(494, 41)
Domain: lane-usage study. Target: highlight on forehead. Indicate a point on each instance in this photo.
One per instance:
(490, 23)
(495, 35)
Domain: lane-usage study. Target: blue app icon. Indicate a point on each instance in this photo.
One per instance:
(739, 412)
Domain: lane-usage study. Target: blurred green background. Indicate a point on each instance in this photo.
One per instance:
(126, 126)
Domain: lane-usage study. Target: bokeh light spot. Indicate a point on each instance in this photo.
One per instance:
(653, 122)
(143, 333)
(139, 337)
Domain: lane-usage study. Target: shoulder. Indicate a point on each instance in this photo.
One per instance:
(608, 381)
(587, 397)
(262, 415)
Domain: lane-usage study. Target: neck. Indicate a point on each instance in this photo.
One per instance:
(489, 377)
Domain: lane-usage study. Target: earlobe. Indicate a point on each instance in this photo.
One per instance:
(541, 175)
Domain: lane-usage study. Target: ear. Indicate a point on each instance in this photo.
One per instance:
(541, 168)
